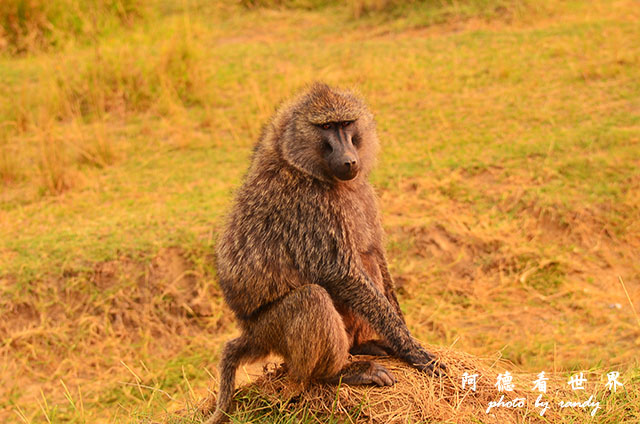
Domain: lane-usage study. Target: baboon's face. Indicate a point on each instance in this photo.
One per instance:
(339, 148)
(328, 134)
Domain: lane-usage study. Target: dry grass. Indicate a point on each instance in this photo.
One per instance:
(418, 397)
(145, 306)
(34, 25)
(470, 270)
(63, 122)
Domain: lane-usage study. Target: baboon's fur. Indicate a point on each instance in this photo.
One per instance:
(301, 262)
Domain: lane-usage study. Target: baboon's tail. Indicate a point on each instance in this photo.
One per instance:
(234, 353)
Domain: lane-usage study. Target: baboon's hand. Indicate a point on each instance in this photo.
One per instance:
(381, 376)
(426, 362)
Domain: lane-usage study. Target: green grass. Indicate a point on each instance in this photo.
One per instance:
(508, 180)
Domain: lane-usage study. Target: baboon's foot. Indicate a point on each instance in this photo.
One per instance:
(364, 372)
(372, 348)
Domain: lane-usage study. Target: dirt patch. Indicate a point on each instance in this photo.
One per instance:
(492, 266)
(180, 284)
(458, 252)
(18, 318)
(168, 295)
(82, 326)
(108, 274)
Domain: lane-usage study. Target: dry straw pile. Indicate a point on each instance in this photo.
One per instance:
(416, 397)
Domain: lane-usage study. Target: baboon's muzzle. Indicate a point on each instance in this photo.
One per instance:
(348, 168)
(343, 160)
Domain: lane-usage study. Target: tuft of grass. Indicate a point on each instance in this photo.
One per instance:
(10, 171)
(95, 147)
(62, 122)
(290, 4)
(33, 25)
(129, 80)
(53, 164)
(419, 13)
(431, 12)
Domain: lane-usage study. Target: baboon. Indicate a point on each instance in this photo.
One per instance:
(301, 261)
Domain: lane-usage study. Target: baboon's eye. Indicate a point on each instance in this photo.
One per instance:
(326, 126)
(346, 123)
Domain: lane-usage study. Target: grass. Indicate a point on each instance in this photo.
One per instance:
(508, 181)
(31, 25)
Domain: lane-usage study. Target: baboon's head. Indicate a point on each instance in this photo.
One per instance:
(331, 134)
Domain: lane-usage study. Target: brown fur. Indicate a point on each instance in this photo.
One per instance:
(301, 262)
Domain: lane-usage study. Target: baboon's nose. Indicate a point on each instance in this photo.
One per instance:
(346, 167)
(351, 167)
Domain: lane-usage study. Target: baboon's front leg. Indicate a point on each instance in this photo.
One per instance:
(372, 348)
(361, 296)
(388, 283)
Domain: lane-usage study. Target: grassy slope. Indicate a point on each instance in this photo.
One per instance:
(508, 178)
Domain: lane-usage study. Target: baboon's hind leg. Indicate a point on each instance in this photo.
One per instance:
(235, 353)
(307, 330)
